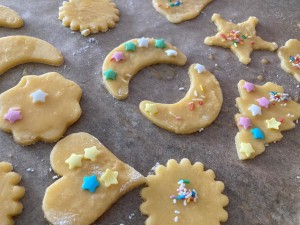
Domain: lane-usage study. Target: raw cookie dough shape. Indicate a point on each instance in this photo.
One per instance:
(179, 11)
(198, 109)
(65, 202)
(276, 116)
(46, 121)
(89, 16)
(9, 18)
(140, 53)
(160, 208)
(15, 50)
(289, 55)
(10, 194)
(240, 38)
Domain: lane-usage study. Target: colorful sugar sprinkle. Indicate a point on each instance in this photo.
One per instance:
(236, 38)
(295, 61)
(278, 97)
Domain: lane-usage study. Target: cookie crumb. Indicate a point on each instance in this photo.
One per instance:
(86, 32)
(260, 77)
(210, 56)
(265, 61)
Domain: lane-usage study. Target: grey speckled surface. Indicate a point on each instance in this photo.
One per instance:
(263, 191)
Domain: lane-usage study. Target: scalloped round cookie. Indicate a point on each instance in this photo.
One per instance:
(40, 108)
(182, 193)
(289, 55)
(10, 194)
(89, 16)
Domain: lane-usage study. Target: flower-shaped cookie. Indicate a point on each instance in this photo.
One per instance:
(40, 108)
(92, 180)
(184, 194)
(10, 194)
(89, 16)
(289, 55)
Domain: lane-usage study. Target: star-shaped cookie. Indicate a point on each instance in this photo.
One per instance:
(240, 38)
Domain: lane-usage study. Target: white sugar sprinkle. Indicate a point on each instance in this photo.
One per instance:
(177, 212)
(181, 88)
(176, 219)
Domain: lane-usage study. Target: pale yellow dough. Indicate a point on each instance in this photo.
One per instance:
(160, 209)
(10, 194)
(46, 121)
(89, 16)
(187, 115)
(242, 51)
(291, 48)
(15, 50)
(65, 202)
(135, 61)
(9, 18)
(189, 9)
(289, 112)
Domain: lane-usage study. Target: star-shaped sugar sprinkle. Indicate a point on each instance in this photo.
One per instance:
(160, 43)
(171, 52)
(249, 86)
(151, 108)
(91, 153)
(273, 124)
(117, 56)
(38, 96)
(143, 42)
(109, 177)
(74, 161)
(110, 74)
(240, 38)
(90, 183)
(257, 133)
(245, 122)
(13, 115)
(246, 149)
(255, 110)
(130, 46)
(264, 102)
(200, 68)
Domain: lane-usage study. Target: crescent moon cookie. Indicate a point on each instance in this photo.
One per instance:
(197, 110)
(177, 11)
(92, 180)
(289, 55)
(40, 108)
(9, 18)
(10, 194)
(89, 16)
(15, 50)
(265, 111)
(182, 193)
(240, 38)
(122, 63)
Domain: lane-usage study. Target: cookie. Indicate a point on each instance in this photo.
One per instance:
(122, 63)
(240, 38)
(265, 111)
(177, 11)
(10, 194)
(289, 55)
(89, 16)
(182, 193)
(197, 110)
(92, 180)
(29, 50)
(9, 18)
(40, 108)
